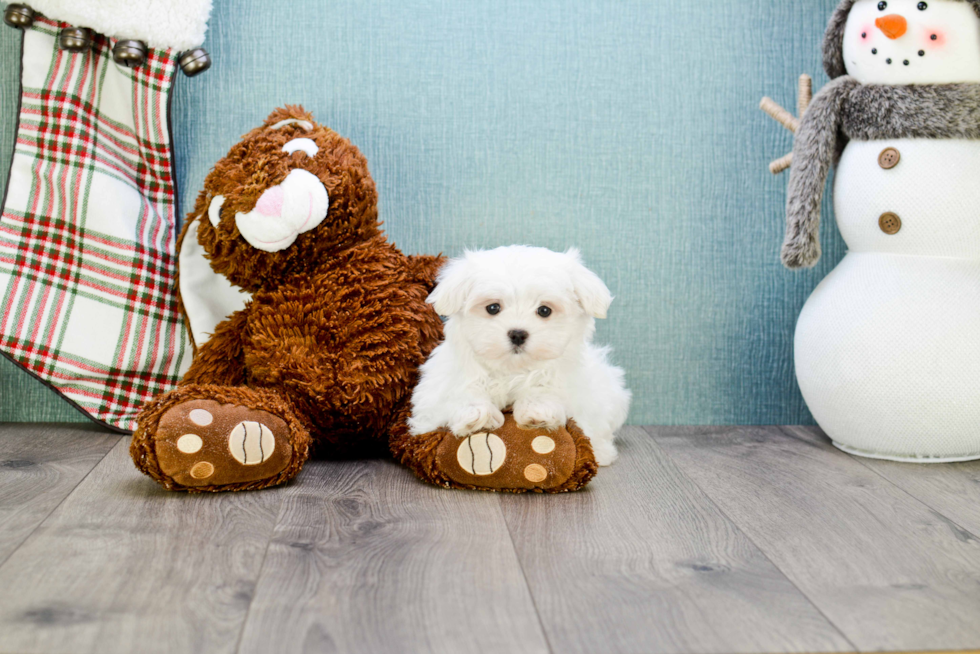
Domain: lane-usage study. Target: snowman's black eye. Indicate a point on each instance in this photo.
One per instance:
(882, 6)
(923, 6)
(493, 309)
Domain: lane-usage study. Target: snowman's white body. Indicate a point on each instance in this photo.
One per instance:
(888, 345)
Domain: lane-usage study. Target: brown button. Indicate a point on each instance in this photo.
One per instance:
(889, 158)
(890, 223)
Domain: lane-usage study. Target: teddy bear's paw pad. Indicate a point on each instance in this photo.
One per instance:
(205, 443)
(509, 458)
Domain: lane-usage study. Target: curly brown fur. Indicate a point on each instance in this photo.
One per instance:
(337, 323)
(258, 162)
(344, 344)
(833, 40)
(221, 359)
(143, 449)
(585, 463)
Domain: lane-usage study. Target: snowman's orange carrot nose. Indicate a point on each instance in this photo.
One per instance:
(894, 25)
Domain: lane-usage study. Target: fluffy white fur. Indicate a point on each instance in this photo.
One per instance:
(555, 374)
(163, 24)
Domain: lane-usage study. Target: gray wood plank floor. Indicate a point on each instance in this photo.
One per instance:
(39, 466)
(698, 540)
(888, 570)
(643, 561)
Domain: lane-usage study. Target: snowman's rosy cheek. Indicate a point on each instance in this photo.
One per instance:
(864, 36)
(934, 39)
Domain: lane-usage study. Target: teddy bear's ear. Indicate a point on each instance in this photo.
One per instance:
(591, 292)
(453, 285)
(293, 112)
(206, 298)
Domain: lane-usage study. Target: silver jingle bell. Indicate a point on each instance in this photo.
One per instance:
(76, 39)
(18, 16)
(194, 62)
(129, 53)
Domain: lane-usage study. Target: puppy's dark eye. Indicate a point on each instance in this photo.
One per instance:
(923, 6)
(493, 309)
(882, 6)
(544, 312)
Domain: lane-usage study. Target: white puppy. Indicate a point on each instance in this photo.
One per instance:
(519, 334)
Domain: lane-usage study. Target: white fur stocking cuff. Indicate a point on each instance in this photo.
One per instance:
(161, 24)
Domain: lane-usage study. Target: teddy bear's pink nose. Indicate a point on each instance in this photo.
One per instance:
(270, 202)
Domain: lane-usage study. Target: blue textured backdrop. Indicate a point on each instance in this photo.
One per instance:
(629, 128)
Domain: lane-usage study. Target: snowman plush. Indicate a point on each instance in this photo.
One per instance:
(888, 345)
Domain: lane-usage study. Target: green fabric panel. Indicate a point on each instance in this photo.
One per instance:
(628, 128)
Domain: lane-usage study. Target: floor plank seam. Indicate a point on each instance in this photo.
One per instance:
(62, 501)
(760, 549)
(787, 431)
(527, 585)
(922, 501)
(258, 575)
(867, 465)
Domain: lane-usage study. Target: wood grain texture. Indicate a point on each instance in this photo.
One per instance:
(889, 571)
(643, 561)
(366, 558)
(952, 489)
(39, 466)
(124, 566)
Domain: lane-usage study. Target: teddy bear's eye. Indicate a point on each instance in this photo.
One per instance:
(493, 309)
(214, 209)
(544, 311)
(303, 145)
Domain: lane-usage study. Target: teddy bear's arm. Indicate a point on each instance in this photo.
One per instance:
(221, 359)
(352, 349)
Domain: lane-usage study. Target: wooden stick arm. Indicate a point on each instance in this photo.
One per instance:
(805, 95)
(788, 120)
(783, 117)
(781, 164)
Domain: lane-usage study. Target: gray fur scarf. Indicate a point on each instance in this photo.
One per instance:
(845, 109)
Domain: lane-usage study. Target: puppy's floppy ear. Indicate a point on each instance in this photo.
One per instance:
(453, 286)
(591, 292)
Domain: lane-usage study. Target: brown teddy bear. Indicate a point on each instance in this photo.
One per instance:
(324, 351)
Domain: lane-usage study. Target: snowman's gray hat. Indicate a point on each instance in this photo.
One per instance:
(833, 40)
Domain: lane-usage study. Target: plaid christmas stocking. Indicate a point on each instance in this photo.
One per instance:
(87, 234)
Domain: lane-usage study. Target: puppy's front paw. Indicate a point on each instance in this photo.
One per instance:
(605, 452)
(473, 418)
(539, 413)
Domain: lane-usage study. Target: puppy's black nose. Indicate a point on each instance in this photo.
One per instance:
(517, 336)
